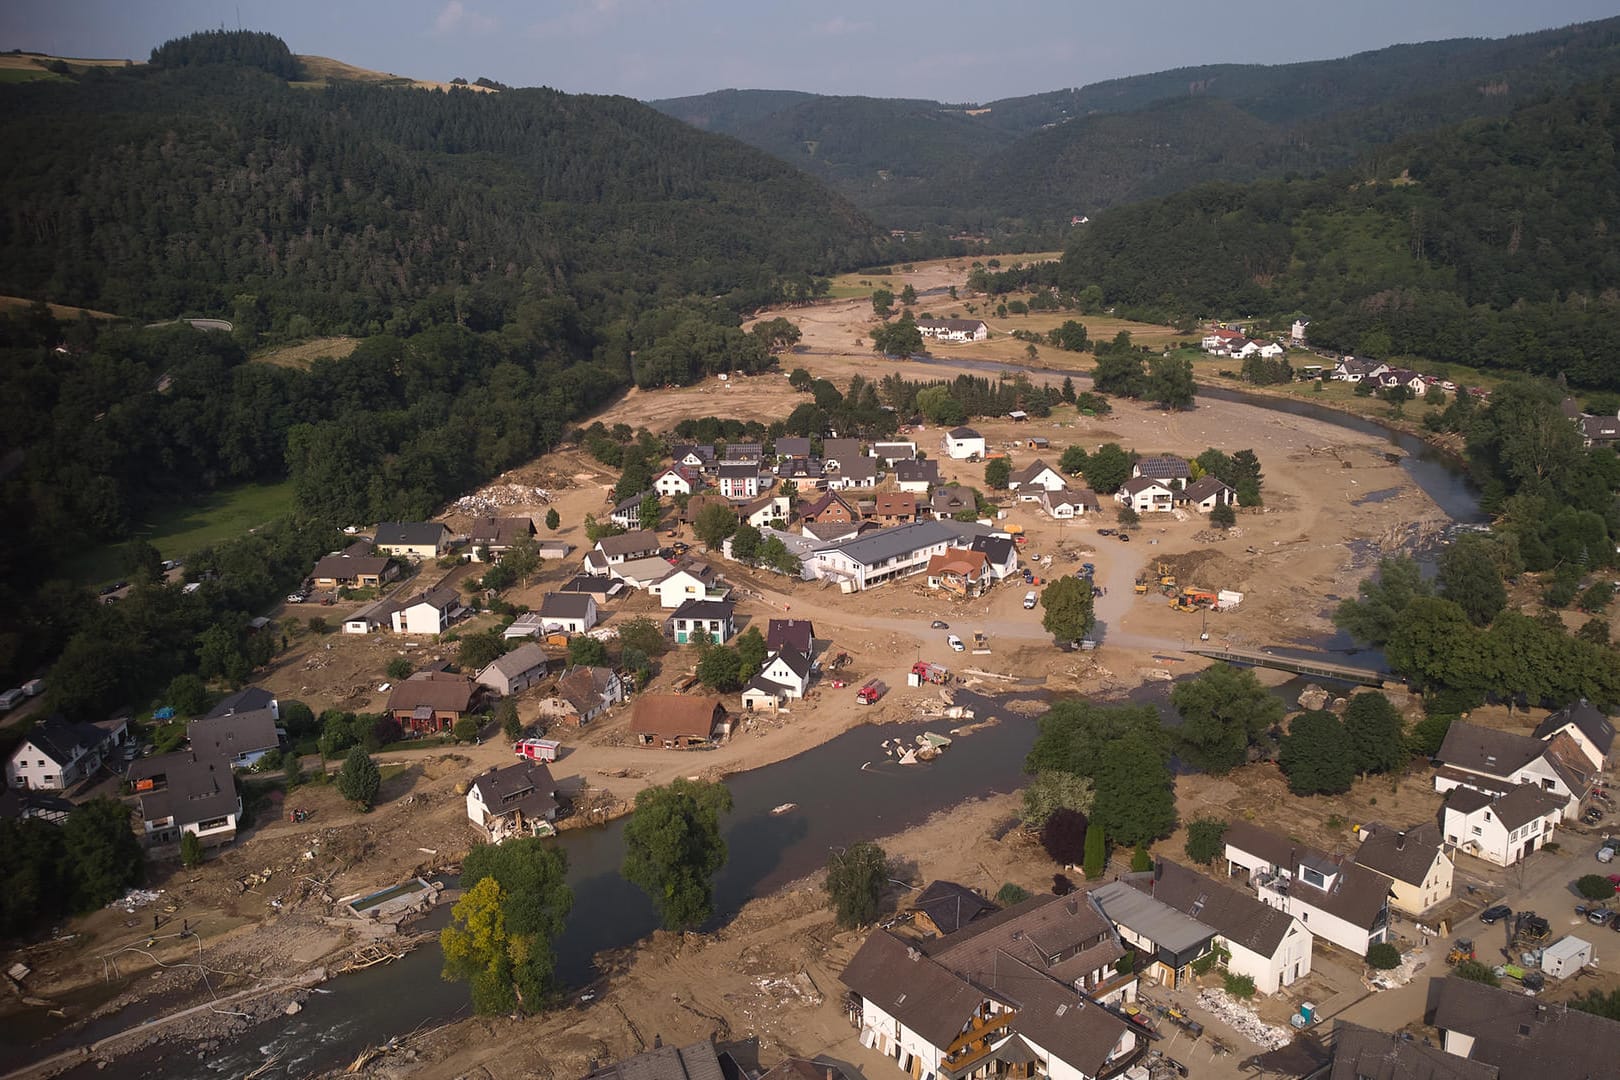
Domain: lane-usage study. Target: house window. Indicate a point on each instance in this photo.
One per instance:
(1477, 831)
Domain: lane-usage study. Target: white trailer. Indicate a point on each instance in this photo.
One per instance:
(1567, 956)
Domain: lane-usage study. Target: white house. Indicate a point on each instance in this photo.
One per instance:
(785, 677)
(953, 330)
(637, 544)
(419, 540)
(714, 619)
(1589, 729)
(626, 513)
(766, 510)
(588, 692)
(691, 580)
(1502, 829)
(185, 792)
(572, 613)
(698, 456)
(640, 573)
(429, 612)
(1494, 762)
(1173, 471)
(1351, 370)
(1414, 860)
(56, 755)
(1000, 552)
(916, 477)
(963, 442)
(1296, 333)
(882, 556)
(676, 481)
(1266, 350)
(1268, 945)
(1068, 503)
(888, 453)
(740, 481)
(1338, 901)
(513, 800)
(1206, 494)
(859, 472)
(1146, 496)
(1034, 478)
(1222, 342)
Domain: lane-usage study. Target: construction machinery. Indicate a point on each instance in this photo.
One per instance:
(1530, 928)
(1167, 577)
(1141, 586)
(1461, 949)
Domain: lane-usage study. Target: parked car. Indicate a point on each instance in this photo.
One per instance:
(1591, 816)
(939, 624)
(1125, 536)
(1599, 916)
(1105, 532)
(1030, 599)
(954, 642)
(1495, 913)
(296, 598)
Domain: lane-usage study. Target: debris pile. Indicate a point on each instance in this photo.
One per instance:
(135, 898)
(1242, 1019)
(499, 497)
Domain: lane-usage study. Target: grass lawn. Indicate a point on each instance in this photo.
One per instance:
(307, 352)
(179, 531)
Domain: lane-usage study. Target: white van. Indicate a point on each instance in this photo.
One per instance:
(954, 642)
(1030, 600)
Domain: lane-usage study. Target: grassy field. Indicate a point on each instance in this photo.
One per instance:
(926, 274)
(60, 311)
(307, 352)
(323, 69)
(177, 533)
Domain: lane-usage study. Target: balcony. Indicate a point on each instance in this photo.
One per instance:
(970, 1048)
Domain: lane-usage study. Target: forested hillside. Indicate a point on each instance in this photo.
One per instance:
(1033, 162)
(512, 260)
(218, 188)
(1491, 244)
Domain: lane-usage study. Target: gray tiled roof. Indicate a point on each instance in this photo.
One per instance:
(1527, 1036)
(1405, 855)
(412, 533)
(1589, 721)
(1236, 916)
(1365, 1054)
(890, 543)
(1487, 750)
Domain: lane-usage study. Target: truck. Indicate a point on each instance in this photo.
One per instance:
(924, 672)
(871, 692)
(537, 749)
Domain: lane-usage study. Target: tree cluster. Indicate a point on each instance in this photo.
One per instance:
(52, 871)
(1124, 752)
(500, 939)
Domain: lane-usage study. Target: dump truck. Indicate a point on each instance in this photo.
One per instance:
(871, 692)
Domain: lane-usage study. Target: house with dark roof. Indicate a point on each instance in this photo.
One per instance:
(637, 544)
(1268, 945)
(698, 503)
(953, 330)
(241, 738)
(916, 476)
(247, 699)
(1030, 991)
(185, 792)
(1590, 729)
(1166, 940)
(963, 442)
(430, 702)
(419, 540)
(354, 567)
(945, 907)
(792, 446)
(1174, 471)
(950, 500)
(491, 537)
(742, 453)
(569, 612)
(1494, 762)
(688, 580)
(796, 1068)
(828, 532)
(626, 513)
(516, 671)
(1337, 900)
(1361, 1053)
(699, 1061)
(829, 507)
(678, 721)
(1000, 551)
(694, 455)
(1599, 430)
(785, 677)
(797, 634)
(885, 555)
(894, 451)
(513, 800)
(858, 473)
(739, 481)
(1205, 494)
(1522, 1036)
(1500, 828)
(836, 454)
(1414, 860)
(429, 612)
(715, 619)
(55, 755)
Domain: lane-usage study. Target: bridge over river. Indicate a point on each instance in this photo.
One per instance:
(1321, 669)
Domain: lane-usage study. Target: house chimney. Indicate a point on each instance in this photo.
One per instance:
(658, 1042)
(1400, 841)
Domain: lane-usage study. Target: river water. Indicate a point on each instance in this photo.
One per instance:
(838, 803)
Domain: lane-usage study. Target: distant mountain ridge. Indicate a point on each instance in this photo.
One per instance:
(1040, 158)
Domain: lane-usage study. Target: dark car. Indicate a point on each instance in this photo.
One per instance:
(939, 624)
(1105, 532)
(1125, 536)
(1495, 914)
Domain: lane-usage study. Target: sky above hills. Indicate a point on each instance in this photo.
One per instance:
(945, 49)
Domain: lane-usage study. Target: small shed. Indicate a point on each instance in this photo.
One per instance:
(1567, 957)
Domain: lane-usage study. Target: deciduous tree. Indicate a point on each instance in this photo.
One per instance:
(1375, 731)
(1052, 790)
(528, 905)
(103, 856)
(1136, 800)
(997, 471)
(856, 876)
(1316, 755)
(1205, 840)
(673, 849)
(1063, 836)
(1223, 711)
(1107, 468)
(1067, 612)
